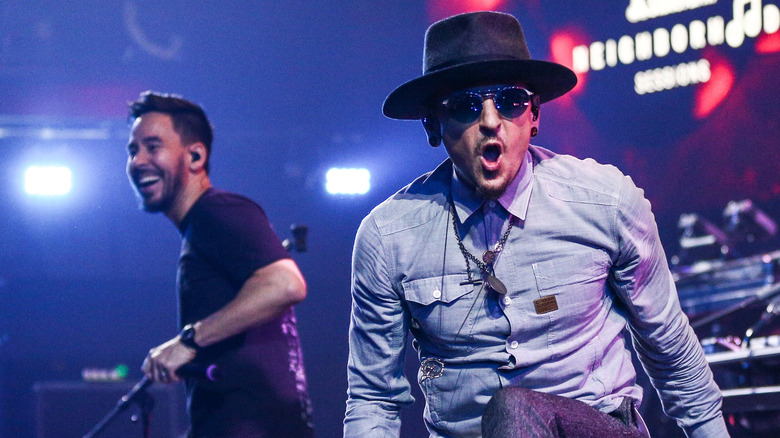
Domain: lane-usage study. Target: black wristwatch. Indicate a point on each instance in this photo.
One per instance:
(187, 337)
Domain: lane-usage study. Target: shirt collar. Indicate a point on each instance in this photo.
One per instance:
(515, 198)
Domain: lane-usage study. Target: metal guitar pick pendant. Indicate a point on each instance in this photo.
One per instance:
(489, 257)
(496, 284)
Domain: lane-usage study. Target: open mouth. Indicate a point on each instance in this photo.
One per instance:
(491, 153)
(491, 157)
(146, 181)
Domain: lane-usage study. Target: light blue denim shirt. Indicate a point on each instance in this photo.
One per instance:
(582, 261)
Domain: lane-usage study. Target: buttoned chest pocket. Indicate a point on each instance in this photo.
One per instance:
(444, 311)
(576, 279)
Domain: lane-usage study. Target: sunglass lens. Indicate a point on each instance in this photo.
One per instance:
(511, 102)
(464, 107)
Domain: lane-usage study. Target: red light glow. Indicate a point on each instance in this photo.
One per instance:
(439, 9)
(712, 93)
(768, 43)
(562, 44)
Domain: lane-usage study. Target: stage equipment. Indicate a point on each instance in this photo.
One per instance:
(719, 270)
(727, 304)
(731, 294)
(71, 409)
(744, 225)
(700, 240)
(747, 223)
(707, 289)
(298, 241)
(137, 395)
(749, 383)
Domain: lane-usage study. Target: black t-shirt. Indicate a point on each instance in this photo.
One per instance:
(226, 238)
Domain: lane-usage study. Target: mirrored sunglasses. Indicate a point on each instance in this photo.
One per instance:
(466, 106)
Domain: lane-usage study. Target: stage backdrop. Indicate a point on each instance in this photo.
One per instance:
(682, 96)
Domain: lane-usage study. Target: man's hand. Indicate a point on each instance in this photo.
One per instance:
(163, 360)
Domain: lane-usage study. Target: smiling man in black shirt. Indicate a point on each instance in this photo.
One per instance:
(236, 283)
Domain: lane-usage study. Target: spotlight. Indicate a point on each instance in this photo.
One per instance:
(347, 181)
(47, 180)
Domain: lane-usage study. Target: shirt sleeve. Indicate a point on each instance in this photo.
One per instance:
(235, 235)
(377, 386)
(664, 340)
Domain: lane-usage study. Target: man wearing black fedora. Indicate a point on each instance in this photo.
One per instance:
(515, 269)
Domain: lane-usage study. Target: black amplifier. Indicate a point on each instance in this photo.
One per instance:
(71, 409)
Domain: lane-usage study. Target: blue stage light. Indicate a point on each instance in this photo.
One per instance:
(47, 180)
(348, 181)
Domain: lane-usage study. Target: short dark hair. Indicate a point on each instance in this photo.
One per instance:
(189, 119)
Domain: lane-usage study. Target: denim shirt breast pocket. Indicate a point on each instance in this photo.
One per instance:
(576, 279)
(443, 312)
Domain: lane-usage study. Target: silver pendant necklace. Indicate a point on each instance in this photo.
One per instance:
(488, 257)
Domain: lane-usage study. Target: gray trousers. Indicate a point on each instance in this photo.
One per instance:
(523, 413)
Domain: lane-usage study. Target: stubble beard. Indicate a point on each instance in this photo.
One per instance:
(488, 191)
(491, 193)
(167, 197)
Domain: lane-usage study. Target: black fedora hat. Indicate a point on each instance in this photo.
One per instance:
(472, 49)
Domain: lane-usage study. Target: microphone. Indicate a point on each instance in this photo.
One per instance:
(299, 235)
(298, 242)
(200, 371)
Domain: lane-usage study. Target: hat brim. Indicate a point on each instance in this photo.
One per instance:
(410, 100)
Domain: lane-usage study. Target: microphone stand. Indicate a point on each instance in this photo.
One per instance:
(136, 395)
(768, 315)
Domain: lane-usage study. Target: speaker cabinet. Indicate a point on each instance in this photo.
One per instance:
(72, 409)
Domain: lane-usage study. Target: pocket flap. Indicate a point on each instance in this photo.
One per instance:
(445, 289)
(570, 269)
